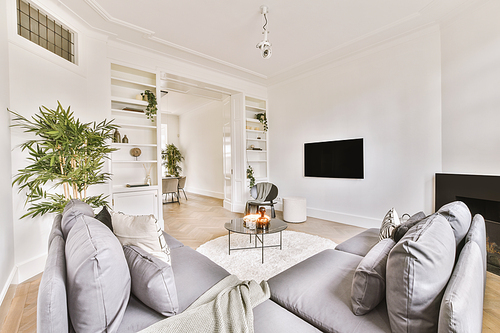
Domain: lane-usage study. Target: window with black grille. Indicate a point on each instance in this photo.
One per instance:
(38, 27)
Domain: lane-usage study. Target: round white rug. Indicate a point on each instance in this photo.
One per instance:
(247, 264)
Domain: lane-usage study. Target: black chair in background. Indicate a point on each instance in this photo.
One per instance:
(261, 199)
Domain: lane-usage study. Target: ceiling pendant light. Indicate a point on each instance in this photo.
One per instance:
(265, 46)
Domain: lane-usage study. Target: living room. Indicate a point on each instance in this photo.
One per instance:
(421, 92)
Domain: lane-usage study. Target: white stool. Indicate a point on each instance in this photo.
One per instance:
(294, 209)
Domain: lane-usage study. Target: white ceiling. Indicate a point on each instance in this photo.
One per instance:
(224, 33)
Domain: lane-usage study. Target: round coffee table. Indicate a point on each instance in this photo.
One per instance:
(237, 226)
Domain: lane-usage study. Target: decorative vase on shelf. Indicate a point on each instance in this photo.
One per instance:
(125, 139)
(117, 136)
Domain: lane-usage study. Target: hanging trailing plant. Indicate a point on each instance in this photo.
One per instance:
(65, 153)
(171, 157)
(152, 107)
(263, 120)
(250, 176)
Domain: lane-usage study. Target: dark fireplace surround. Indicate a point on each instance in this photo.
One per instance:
(482, 195)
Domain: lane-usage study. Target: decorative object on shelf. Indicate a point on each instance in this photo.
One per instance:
(125, 139)
(136, 152)
(252, 146)
(263, 120)
(65, 152)
(147, 180)
(265, 46)
(258, 138)
(133, 109)
(263, 220)
(256, 148)
(171, 157)
(117, 136)
(137, 185)
(250, 176)
(152, 108)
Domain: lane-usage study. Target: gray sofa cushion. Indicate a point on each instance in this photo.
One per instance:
(98, 279)
(318, 290)
(458, 214)
(477, 234)
(56, 229)
(418, 269)
(269, 317)
(52, 310)
(194, 274)
(462, 304)
(361, 243)
(152, 281)
(73, 209)
(138, 316)
(368, 283)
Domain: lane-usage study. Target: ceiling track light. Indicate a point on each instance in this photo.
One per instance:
(265, 46)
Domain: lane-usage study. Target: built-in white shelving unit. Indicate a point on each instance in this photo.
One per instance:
(256, 138)
(127, 108)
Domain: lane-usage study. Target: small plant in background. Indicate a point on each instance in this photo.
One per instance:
(152, 107)
(171, 157)
(65, 153)
(263, 120)
(250, 176)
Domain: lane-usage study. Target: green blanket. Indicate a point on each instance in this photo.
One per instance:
(226, 307)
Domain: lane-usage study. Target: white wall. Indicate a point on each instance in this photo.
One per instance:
(471, 95)
(390, 96)
(201, 144)
(7, 267)
(173, 129)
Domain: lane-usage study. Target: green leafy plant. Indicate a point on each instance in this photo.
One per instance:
(171, 157)
(250, 176)
(64, 153)
(152, 107)
(263, 120)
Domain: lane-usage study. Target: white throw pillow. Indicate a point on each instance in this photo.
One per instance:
(391, 221)
(142, 231)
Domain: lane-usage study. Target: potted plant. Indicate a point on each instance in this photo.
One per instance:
(171, 157)
(152, 107)
(263, 120)
(65, 153)
(250, 176)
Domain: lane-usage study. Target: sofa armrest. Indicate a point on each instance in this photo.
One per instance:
(361, 243)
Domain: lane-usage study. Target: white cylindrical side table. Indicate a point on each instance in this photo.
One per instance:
(294, 209)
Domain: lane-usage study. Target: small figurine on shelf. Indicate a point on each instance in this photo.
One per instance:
(147, 180)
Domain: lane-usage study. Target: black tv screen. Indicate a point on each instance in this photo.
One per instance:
(334, 159)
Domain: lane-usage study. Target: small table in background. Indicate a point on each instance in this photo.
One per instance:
(237, 226)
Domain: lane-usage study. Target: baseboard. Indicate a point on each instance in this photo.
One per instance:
(355, 220)
(213, 194)
(30, 268)
(9, 281)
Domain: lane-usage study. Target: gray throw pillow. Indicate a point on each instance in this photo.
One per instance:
(98, 279)
(459, 217)
(368, 283)
(403, 228)
(152, 281)
(418, 269)
(391, 221)
(462, 306)
(72, 210)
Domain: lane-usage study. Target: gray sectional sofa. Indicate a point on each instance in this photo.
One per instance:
(434, 281)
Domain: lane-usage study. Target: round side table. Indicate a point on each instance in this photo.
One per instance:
(294, 209)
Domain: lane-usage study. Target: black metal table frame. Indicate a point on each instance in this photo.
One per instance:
(255, 247)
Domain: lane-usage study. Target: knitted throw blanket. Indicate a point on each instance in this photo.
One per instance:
(225, 308)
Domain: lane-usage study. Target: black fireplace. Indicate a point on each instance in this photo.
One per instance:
(482, 195)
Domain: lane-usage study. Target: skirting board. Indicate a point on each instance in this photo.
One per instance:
(30, 268)
(213, 194)
(358, 221)
(9, 281)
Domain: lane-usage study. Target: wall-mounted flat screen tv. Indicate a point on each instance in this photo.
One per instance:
(334, 159)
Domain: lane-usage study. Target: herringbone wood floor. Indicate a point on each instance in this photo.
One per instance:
(195, 222)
